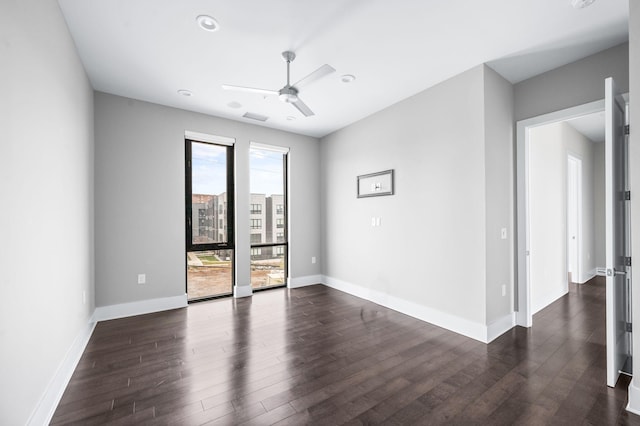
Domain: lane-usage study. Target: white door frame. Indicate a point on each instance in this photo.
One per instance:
(524, 315)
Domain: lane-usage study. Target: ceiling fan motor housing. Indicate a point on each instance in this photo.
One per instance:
(288, 94)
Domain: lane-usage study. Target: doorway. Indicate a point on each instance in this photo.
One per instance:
(618, 327)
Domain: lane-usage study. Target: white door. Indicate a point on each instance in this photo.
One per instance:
(618, 307)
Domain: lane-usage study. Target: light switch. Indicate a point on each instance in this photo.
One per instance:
(377, 221)
(373, 221)
(503, 233)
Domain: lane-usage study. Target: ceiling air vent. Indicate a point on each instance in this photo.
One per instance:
(254, 116)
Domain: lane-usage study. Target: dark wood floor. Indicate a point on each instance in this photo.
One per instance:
(319, 356)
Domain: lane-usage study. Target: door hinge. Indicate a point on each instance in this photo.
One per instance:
(627, 195)
(628, 327)
(627, 261)
(627, 129)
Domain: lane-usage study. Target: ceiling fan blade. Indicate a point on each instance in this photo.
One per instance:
(316, 75)
(249, 89)
(303, 108)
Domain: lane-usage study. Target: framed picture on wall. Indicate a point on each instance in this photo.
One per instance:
(375, 184)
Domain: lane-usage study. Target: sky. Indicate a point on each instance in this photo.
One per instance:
(208, 167)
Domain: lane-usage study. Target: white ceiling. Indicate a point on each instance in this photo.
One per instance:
(590, 125)
(150, 49)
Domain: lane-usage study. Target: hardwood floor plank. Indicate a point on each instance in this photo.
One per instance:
(318, 356)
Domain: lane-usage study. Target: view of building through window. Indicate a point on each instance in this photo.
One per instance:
(210, 271)
(267, 217)
(209, 264)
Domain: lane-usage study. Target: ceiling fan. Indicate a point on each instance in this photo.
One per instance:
(289, 93)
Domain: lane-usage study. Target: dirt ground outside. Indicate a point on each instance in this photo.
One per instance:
(206, 279)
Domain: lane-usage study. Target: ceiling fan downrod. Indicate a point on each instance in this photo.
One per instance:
(288, 93)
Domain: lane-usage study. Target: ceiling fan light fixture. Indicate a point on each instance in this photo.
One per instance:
(581, 4)
(288, 98)
(288, 95)
(185, 92)
(207, 23)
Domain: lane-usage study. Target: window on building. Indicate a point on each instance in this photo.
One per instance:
(256, 223)
(279, 223)
(279, 209)
(256, 238)
(256, 208)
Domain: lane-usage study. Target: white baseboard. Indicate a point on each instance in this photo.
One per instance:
(49, 401)
(589, 275)
(548, 300)
(104, 313)
(304, 281)
(634, 398)
(242, 291)
(453, 323)
(500, 326)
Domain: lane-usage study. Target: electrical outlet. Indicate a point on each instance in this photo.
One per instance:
(142, 278)
(313, 259)
(504, 290)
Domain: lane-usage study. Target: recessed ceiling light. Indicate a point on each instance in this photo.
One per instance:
(207, 23)
(347, 78)
(185, 92)
(581, 4)
(234, 104)
(291, 118)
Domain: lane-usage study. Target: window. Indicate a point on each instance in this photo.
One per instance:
(256, 224)
(209, 187)
(256, 208)
(268, 184)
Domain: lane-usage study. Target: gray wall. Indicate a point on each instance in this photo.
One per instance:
(46, 187)
(574, 84)
(140, 197)
(499, 190)
(598, 204)
(431, 247)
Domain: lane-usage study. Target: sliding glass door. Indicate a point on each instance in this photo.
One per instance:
(268, 216)
(209, 219)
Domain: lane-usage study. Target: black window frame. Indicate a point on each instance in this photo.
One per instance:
(230, 202)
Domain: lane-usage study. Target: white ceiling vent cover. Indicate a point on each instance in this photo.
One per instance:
(254, 116)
